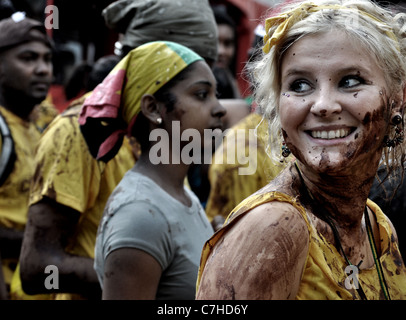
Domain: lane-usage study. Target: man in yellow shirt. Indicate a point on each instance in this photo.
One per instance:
(25, 77)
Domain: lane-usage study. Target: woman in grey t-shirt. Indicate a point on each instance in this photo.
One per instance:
(153, 228)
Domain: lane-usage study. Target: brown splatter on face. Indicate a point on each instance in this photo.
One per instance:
(376, 124)
(325, 160)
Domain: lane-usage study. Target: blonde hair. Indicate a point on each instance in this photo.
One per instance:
(379, 30)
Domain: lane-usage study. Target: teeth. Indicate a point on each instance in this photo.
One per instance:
(332, 134)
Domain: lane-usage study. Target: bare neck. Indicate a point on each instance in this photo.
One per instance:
(341, 197)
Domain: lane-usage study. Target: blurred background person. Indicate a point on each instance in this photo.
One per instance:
(25, 77)
(224, 68)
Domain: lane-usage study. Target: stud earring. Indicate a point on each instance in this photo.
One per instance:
(285, 150)
(159, 120)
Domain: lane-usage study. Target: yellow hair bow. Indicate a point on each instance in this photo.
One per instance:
(287, 19)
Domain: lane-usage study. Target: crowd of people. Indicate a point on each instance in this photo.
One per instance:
(81, 190)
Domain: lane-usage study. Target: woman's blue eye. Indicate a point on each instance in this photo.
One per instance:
(351, 81)
(300, 86)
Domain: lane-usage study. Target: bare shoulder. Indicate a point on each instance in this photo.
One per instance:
(261, 257)
(275, 216)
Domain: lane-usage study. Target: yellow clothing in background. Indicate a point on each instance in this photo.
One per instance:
(68, 174)
(14, 192)
(324, 274)
(43, 114)
(228, 187)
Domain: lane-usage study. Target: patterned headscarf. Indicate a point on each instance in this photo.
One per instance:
(116, 101)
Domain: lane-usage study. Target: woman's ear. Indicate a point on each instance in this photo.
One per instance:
(403, 104)
(398, 105)
(150, 108)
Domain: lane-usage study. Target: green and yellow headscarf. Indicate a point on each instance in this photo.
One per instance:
(117, 99)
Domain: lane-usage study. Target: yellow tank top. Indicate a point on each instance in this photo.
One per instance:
(324, 275)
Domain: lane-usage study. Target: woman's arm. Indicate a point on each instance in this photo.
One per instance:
(261, 257)
(131, 274)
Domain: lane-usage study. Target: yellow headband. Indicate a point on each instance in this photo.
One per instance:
(286, 20)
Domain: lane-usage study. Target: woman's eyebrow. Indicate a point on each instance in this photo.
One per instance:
(202, 82)
(205, 82)
(349, 69)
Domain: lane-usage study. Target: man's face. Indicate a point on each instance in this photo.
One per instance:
(26, 70)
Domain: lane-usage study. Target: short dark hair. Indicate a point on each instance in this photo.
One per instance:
(222, 17)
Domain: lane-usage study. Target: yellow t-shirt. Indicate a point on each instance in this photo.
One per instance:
(324, 274)
(43, 114)
(14, 192)
(67, 173)
(240, 150)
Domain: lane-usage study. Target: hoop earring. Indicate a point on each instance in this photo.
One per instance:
(398, 137)
(285, 150)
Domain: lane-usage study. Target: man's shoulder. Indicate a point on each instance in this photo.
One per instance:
(73, 110)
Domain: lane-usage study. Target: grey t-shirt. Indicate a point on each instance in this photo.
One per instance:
(140, 214)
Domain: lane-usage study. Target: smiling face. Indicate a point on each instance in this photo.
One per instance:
(333, 108)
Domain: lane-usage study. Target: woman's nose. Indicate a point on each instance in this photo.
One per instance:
(219, 110)
(325, 104)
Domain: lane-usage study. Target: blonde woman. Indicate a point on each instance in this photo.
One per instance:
(332, 83)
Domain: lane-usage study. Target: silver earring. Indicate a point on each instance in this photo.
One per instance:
(159, 120)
